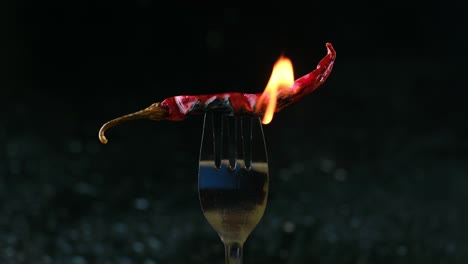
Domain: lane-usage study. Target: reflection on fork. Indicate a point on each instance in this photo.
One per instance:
(233, 178)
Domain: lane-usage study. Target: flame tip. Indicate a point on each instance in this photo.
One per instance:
(282, 77)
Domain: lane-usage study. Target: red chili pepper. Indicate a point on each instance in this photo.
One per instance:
(177, 108)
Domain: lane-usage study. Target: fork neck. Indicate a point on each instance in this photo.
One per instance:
(234, 252)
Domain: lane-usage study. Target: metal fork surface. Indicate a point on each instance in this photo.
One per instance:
(233, 178)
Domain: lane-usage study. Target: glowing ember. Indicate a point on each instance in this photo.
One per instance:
(282, 77)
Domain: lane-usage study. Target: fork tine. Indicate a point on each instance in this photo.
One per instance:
(217, 125)
(231, 128)
(246, 134)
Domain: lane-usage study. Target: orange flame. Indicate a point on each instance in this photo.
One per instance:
(282, 77)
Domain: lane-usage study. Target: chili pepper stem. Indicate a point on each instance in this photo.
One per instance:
(152, 112)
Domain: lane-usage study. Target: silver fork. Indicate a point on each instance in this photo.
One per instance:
(233, 178)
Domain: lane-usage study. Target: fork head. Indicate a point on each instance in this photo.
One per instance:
(233, 175)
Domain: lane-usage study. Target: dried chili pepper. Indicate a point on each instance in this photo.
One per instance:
(177, 108)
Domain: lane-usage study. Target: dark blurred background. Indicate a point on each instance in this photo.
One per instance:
(370, 168)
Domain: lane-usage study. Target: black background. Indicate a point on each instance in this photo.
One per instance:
(370, 168)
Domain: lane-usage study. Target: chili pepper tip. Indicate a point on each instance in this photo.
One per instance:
(330, 49)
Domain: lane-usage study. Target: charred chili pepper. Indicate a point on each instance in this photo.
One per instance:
(177, 108)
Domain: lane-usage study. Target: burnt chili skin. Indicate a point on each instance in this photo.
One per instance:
(177, 108)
